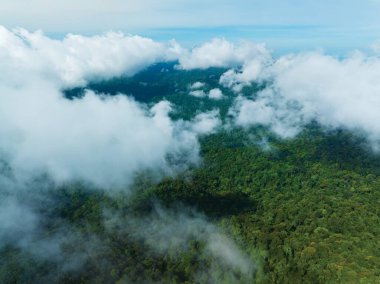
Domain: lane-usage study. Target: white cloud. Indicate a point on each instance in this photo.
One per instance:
(205, 123)
(220, 53)
(197, 85)
(100, 139)
(103, 140)
(249, 72)
(198, 93)
(313, 86)
(77, 59)
(269, 111)
(215, 94)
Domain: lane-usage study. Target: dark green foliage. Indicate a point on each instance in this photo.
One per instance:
(315, 204)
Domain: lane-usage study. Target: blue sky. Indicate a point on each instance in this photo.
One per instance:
(281, 38)
(334, 25)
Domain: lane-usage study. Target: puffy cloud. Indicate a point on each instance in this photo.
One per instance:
(205, 123)
(215, 94)
(314, 86)
(250, 71)
(220, 53)
(198, 93)
(77, 59)
(269, 111)
(197, 85)
(99, 139)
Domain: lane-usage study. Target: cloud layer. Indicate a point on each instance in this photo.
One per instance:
(77, 59)
(314, 86)
(100, 139)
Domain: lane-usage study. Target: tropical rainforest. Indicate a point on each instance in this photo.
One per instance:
(257, 208)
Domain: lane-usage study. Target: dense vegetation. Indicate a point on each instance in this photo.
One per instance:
(305, 210)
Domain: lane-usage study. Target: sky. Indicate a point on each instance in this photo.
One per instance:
(285, 25)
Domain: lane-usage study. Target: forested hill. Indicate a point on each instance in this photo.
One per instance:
(155, 82)
(257, 208)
